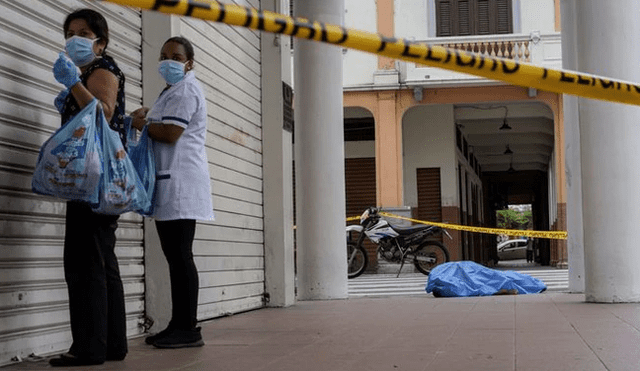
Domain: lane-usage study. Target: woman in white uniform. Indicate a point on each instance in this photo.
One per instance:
(177, 123)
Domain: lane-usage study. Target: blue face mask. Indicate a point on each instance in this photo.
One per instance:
(80, 50)
(171, 71)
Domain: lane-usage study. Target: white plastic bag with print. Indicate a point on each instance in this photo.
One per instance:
(121, 189)
(69, 165)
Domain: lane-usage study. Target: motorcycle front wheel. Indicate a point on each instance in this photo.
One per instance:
(356, 259)
(435, 254)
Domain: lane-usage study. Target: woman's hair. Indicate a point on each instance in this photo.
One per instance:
(184, 42)
(95, 21)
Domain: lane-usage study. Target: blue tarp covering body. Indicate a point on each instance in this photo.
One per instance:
(467, 278)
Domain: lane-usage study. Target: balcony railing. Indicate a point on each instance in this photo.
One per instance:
(542, 50)
(502, 46)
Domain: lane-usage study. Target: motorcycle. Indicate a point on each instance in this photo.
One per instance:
(395, 244)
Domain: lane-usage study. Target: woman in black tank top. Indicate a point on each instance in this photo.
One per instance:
(96, 295)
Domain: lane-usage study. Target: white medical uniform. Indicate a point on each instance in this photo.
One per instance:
(183, 189)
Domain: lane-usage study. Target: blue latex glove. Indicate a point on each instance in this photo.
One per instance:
(59, 101)
(65, 71)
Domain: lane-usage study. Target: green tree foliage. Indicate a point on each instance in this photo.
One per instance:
(512, 219)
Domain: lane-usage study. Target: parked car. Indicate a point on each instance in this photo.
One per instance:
(513, 249)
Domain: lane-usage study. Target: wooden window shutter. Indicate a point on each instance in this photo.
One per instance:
(473, 17)
(504, 21)
(465, 18)
(360, 185)
(444, 17)
(483, 16)
(429, 196)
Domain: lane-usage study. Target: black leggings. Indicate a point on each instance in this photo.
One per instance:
(176, 238)
(96, 295)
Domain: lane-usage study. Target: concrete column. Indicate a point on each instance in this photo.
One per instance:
(573, 168)
(388, 152)
(319, 154)
(560, 182)
(277, 157)
(608, 44)
(385, 10)
(156, 29)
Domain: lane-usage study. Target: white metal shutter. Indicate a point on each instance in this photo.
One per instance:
(230, 251)
(34, 316)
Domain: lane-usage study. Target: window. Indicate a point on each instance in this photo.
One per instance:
(473, 17)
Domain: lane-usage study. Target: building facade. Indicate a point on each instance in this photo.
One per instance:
(415, 137)
(453, 147)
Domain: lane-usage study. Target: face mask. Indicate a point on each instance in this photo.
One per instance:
(171, 71)
(80, 50)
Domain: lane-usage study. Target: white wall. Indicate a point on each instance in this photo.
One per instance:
(359, 67)
(410, 19)
(428, 139)
(537, 15)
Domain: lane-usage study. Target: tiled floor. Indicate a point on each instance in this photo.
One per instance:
(549, 331)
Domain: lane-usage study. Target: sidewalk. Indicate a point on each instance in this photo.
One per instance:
(519, 264)
(549, 331)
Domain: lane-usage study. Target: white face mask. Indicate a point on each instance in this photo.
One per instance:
(80, 50)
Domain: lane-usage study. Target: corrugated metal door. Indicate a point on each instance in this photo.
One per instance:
(360, 184)
(360, 188)
(230, 251)
(34, 315)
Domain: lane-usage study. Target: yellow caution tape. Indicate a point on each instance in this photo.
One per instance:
(558, 235)
(510, 71)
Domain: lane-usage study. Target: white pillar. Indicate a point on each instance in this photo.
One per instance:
(573, 168)
(319, 156)
(278, 172)
(608, 44)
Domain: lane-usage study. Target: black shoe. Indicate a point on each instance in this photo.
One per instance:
(116, 356)
(69, 360)
(180, 339)
(151, 339)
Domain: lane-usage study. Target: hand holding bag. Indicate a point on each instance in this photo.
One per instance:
(121, 190)
(141, 154)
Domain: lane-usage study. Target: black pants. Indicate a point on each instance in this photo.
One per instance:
(176, 238)
(96, 295)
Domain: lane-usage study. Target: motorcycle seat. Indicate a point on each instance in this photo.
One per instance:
(404, 231)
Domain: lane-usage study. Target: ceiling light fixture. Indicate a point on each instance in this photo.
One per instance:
(505, 126)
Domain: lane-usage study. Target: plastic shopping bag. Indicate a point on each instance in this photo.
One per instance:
(141, 153)
(121, 189)
(69, 164)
